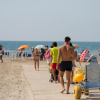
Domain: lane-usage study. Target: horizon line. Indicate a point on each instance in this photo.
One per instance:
(46, 41)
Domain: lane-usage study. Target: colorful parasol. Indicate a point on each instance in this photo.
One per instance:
(23, 47)
(75, 45)
(83, 55)
(40, 46)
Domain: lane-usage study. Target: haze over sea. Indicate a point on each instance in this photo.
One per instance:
(13, 45)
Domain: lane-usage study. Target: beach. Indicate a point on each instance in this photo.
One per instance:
(19, 81)
(40, 44)
(13, 84)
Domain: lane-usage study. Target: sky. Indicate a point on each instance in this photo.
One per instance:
(49, 20)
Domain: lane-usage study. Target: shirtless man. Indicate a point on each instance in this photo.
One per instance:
(65, 52)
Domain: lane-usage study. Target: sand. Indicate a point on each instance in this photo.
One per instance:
(13, 84)
(19, 81)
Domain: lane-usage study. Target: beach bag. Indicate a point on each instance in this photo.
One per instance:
(47, 56)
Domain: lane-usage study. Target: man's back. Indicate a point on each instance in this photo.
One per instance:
(66, 52)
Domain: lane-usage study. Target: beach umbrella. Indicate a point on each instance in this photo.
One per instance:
(40, 46)
(75, 45)
(23, 47)
(83, 55)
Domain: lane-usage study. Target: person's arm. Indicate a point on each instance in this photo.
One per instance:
(33, 55)
(58, 58)
(73, 60)
(74, 56)
(51, 53)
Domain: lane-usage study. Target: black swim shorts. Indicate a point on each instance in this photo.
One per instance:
(66, 66)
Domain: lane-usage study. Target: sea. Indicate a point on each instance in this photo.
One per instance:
(12, 46)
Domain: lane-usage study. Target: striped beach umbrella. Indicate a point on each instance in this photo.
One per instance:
(83, 55)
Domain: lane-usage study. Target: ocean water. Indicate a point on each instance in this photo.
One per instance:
(11, 46)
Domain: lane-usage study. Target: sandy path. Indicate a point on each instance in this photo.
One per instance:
(44, 90)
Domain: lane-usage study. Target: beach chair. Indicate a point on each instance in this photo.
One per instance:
(92, 78)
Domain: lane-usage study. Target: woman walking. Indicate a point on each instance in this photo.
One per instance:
(36, 56)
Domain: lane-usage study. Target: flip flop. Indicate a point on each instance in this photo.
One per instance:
(62, 91)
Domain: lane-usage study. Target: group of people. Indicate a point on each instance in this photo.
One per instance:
(63, 59)
(59, 58)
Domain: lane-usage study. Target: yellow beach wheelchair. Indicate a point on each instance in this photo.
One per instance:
(91, 79)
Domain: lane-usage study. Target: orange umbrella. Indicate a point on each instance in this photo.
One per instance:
(23, 47)
(75, 45)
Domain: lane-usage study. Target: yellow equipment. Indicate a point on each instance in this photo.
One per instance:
(50, 69)
(79, 77)
(77, 92)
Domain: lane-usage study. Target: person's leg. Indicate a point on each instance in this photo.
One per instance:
(35, 64)
(54, 75)
(71, 77)
(61, 74)
(1, 59)
(68, 80)
(38, 65)
(58, 73)
(49, 64)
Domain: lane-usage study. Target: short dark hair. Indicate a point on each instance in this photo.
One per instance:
(51, 46)
(71, 45)
(67, 39)
(54, 44)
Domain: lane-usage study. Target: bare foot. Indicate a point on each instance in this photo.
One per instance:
(62, 91)
(67, 92)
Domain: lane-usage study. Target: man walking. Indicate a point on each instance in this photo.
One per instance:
(65, 51)
(54, 54)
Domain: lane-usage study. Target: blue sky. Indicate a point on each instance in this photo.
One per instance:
(50, 20)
